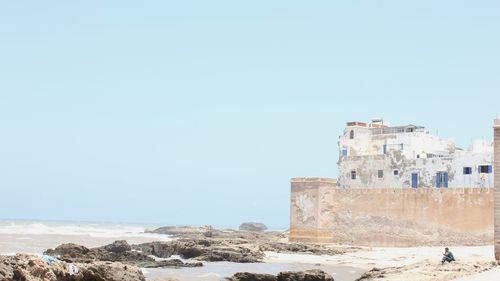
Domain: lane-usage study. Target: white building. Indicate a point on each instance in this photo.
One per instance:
(377, 155)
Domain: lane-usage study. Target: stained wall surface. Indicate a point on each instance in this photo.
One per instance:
(408, 156)
(497, 186)
(321, 212)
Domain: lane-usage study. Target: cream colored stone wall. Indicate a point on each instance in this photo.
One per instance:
(321, 212)
(305, 208)
(496, 169)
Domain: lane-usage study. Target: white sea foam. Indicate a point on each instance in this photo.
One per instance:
(97, 230)
(35, 237)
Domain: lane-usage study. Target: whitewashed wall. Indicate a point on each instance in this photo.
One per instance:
(365, 156)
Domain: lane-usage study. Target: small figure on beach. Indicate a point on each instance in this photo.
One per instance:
(447, 256)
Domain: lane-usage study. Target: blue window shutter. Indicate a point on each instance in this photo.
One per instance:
(414, 180)
(438, 180)
(445, 180)
(490, 169)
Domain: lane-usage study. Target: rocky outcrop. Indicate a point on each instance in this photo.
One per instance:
(72, 252)
(76, 253)
(119, 246)
(201, 249)
(308, 275)
(230, 245)
(240, 247)
(32, 268)
(108, 271)
(170, 263)
(316, 249)
(246, 276)
(119, 251)
(253, 226)
(183, 231)
(210, 232)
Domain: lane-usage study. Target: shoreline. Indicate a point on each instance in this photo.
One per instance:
(473, 263)
(343, 262)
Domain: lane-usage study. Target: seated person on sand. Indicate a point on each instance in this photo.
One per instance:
(447, 256)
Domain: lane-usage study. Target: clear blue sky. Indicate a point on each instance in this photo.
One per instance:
(200, 112)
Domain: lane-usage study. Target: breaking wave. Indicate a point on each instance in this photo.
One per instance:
(97, 230)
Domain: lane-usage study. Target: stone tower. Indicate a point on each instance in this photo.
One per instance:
(496, 191)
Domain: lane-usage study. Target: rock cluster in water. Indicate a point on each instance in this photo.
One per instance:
(119, 251)
(240, 247)
(206, 238)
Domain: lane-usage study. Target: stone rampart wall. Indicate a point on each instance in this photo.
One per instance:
(321, 212)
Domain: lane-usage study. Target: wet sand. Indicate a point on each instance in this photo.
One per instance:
(214, 271)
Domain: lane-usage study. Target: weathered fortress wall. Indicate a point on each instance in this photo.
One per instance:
(321, 212)
(496, 133)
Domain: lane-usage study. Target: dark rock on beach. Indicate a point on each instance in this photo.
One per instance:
(191, 232)
(182, 231)
(76, 253)
(316, 249)
(246, 276)
(202, 249)
(119, 251)
(119, 246)
(230, 246)
(308, 275)
(253, 226)
(195, 242)
(175, 263)
(72, 252)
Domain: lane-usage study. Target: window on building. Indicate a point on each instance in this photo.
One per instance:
(467, 170)
(396, 172)
(344, 151)
(380, 174)
(485, 169)
(353, 175)
(351, 134)
(441, 179)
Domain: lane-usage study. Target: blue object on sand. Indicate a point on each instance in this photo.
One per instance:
(49, 259)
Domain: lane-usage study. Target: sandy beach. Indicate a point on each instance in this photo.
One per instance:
(415, 263)
(412, 263)
(214, 271)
